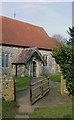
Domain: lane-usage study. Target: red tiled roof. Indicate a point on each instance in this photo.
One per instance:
(25, 55)
(19, 33)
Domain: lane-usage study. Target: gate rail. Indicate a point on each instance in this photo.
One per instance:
(38, 89)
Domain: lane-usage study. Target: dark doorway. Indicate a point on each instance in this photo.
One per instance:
(34, 69)
(16, 70)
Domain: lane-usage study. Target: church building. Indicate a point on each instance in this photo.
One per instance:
(26, 49)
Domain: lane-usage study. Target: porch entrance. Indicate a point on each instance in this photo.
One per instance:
(34, 69)
(16, 70)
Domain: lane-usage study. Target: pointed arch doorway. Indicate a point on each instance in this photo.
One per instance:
(34, 69)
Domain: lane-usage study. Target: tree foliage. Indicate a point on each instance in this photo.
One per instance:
(71, 33)
(63, 57)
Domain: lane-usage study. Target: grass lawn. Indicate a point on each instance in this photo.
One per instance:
(59, 89)
(64, 111)
(0, 108)
(9, 109)
(22, 83)
(55, 77)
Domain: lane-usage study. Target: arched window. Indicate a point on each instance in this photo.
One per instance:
(45, 59)
(3, 60)
(7, 60)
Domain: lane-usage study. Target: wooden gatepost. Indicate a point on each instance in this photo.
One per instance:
(63, 86)
(38, 90)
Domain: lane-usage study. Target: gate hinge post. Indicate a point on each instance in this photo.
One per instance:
(31, 93)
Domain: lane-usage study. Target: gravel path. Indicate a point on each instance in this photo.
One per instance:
(52, 98)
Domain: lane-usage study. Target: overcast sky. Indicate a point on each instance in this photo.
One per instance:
(54, 17)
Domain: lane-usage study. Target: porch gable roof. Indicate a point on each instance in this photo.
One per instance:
(26, 54)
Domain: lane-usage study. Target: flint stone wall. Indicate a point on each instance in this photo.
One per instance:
(52, 66)
(8, 89)
(20, 70)
(0, 61)
(13, 52)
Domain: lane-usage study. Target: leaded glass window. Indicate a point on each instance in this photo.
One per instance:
(3, 57)
(7, 60)
(45, 59)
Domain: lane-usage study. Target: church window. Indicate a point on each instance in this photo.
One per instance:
(7, 60)
(45, 59)
(3, 60)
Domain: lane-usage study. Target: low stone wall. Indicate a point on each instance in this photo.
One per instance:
(8, 89)
(63, 86)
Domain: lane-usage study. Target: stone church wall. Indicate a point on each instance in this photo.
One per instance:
(0, 61)
(13, 53)
(20, 70)
(51, 67)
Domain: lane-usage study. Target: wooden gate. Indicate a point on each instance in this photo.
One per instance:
(38, 89)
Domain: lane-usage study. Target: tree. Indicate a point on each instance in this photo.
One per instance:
(71, 33)
(71, 43)
(60, 37)
(63, 57)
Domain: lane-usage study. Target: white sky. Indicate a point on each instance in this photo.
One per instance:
(36, 0)
(54, 17)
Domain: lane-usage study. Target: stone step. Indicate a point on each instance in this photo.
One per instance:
(19, 117)
(25, 109)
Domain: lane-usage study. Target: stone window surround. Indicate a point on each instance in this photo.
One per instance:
(44, 55)
(5, 59)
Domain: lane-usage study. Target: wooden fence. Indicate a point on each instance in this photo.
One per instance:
(38, 89)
